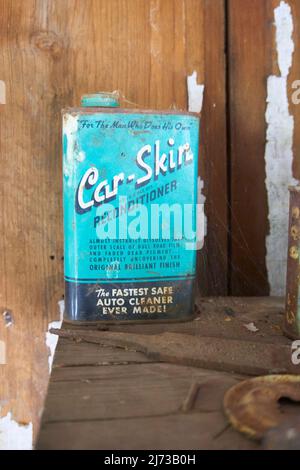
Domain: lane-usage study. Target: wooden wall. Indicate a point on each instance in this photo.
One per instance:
(252, 58)
(52, 52)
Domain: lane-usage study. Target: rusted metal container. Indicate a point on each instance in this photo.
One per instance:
(130, 177)
(291, 324)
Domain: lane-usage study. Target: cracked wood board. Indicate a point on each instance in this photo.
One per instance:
(133, 390)
(183, 429)
(72, 353)
(185, 432)
(222, 317)
(139, 406)
(244, 357)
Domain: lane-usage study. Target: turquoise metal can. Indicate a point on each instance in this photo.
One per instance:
(129, 194)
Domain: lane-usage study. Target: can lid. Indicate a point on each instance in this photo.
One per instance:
(101, 99)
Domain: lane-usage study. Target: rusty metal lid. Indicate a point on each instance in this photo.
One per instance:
(252, 406)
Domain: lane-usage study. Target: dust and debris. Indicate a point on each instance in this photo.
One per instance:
(251, 327)
(246, 357)
(228, 319)
(229, 312)
(8, 318)
(190, 400)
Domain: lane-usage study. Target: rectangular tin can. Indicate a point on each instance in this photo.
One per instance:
(292, 311)
(129, 177)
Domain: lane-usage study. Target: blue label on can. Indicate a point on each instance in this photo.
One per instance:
(129, 209)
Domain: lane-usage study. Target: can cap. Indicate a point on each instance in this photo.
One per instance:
(102, 99)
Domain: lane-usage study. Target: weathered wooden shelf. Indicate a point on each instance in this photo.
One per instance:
(113, 396)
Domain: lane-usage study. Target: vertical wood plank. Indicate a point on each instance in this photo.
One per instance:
(250, 62)
(52, 52)
(252, 58)
(213, 269)
(32, 67)
(295, 76)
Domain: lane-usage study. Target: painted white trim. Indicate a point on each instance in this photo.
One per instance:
(195, 93)
(51, 340)
(279, 152)
(15, 436)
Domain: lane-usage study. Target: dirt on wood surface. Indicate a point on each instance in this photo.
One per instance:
(228, 334)
(164, 384)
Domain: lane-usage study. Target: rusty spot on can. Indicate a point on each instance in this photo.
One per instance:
(294, 254)
(295, 212)
(291, 324)
(295, 232)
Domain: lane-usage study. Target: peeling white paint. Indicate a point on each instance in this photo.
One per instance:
(155, 44)
(251, 327)
(15, 436)
(279, 152)
(284, 37)
(154, 10)
(2, 92)
(73, 153)
(8, 318)
(195, 103)
(2, 352)
(296, 94)
(195, 93)
(201, 217)
(70, 131)
(51, 340)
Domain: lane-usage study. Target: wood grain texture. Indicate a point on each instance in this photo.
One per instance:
(295, 76)
(32, 64)
(89, 355)
(252, 58)
(250, 62)
(213, 263)
(52, 52)
(205, 431)
(135, 390)
(221, 317)
(136, 405)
